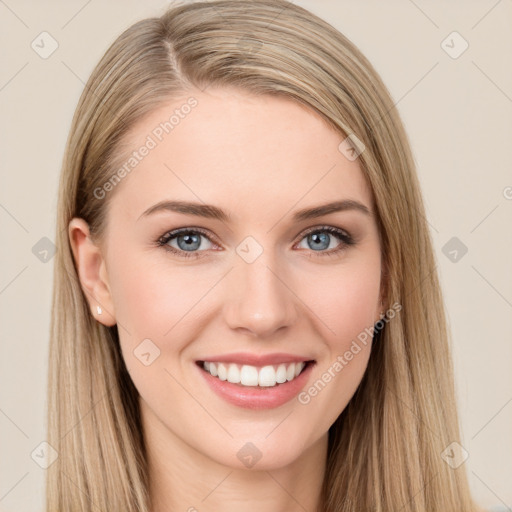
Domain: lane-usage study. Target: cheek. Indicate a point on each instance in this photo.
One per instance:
(155, 304)
(151, 297)
(346, 301)
(159, 301)
(345, 298)
(345, 304)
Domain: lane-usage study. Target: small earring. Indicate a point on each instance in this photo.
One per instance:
(99, 310)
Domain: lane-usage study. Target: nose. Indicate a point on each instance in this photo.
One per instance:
(259, 300)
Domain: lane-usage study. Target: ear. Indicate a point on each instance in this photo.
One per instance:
(92, 272)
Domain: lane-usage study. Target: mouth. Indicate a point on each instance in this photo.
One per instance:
(256, 377)
(257, 387)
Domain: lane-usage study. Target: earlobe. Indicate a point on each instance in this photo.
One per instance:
(92, 272)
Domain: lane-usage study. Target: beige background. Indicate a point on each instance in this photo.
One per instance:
(458, 113)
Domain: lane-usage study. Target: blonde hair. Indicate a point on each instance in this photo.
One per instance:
(385, 448)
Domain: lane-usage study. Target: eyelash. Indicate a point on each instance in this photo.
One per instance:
(343, 236)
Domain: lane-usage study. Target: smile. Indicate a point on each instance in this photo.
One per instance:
(269, 394)
(250, 376)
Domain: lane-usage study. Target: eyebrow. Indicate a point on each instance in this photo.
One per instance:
(213, 212)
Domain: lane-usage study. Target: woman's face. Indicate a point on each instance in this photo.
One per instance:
(251, 275)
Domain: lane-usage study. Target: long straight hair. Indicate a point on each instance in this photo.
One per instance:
(384, 450)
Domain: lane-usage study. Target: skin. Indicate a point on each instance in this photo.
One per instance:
(260, 159)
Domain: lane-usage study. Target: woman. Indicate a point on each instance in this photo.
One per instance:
(246, 308)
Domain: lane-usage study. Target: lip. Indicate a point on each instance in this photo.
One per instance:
(257, 360)
(255, 397)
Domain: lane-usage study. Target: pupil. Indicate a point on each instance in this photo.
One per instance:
(321, 238)
(189, 240)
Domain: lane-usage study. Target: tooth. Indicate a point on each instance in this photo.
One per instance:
(222, 372)
(233, 374)
(267, 376)
(281, 374)
(249, 375)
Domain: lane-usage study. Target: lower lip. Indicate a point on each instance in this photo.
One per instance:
(257, 397)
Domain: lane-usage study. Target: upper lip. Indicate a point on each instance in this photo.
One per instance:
(257, 360)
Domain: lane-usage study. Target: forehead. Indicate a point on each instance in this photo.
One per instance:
(259, 154)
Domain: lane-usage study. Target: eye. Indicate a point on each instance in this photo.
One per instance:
(320, 239)
(188, 242)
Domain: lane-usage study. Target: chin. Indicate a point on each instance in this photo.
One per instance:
(255, 453)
